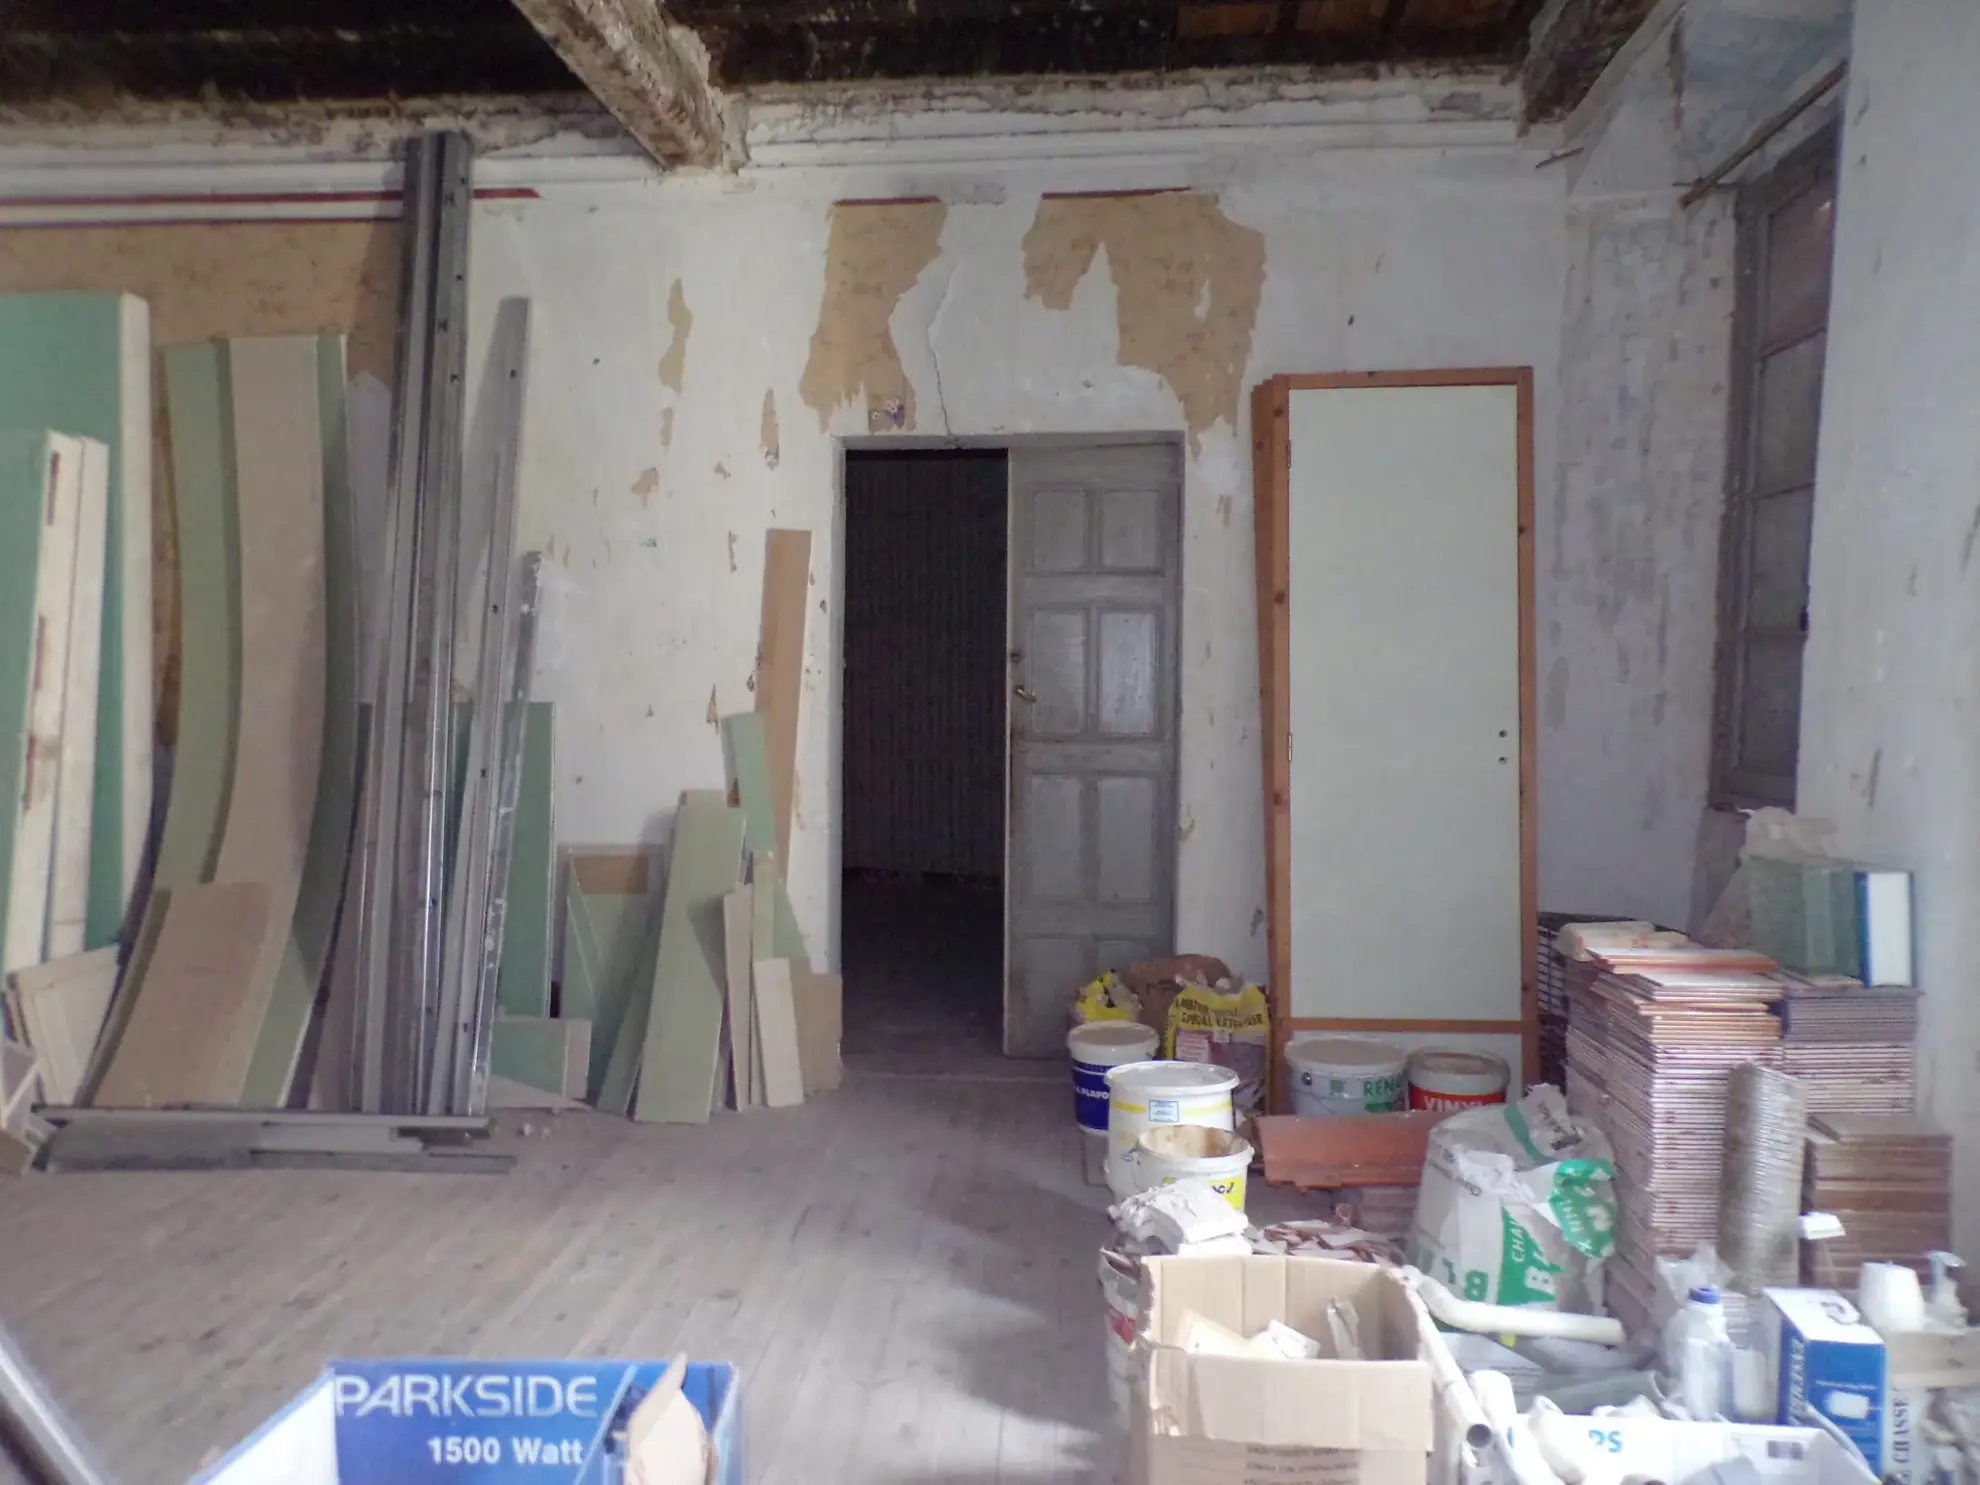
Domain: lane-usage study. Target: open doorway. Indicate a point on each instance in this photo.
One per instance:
(923, 839)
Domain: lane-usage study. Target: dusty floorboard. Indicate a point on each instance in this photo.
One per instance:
(903, 1271)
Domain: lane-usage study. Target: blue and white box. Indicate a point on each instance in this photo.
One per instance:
(1826, 1363)
(448, 1422)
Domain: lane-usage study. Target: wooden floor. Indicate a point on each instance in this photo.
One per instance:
(924, 966)
(903, 1271)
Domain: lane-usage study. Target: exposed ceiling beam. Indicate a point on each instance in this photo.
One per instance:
(1142, 36)
(1573, 40)
(625, 52)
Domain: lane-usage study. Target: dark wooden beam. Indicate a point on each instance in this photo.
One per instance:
(1123, 37)
(1571, 45)
(280, 63)
(626, 53)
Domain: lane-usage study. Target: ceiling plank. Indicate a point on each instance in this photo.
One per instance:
(1573, 40)
(624, 51)
(1137, 38)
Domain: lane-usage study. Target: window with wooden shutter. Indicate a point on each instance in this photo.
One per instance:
(1786, 225)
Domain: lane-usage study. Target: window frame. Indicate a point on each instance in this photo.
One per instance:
(1807, 167)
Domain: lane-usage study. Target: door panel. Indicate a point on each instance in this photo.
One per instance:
(1405, 714)
(1094, 583)
(1058, 534)
(1054, 843)
(1130, 654)
(1129, 814)
(1131, 530)
(1057, 672)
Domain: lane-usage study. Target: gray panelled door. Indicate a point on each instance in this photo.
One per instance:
(1094, 565)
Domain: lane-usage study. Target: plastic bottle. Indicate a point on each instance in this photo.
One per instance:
(1943, 1311)
(1704, 1359)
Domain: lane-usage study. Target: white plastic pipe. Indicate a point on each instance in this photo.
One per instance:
(1477, 1455)
(1469, 1314)
(1529, 1466)
(1565, 1446)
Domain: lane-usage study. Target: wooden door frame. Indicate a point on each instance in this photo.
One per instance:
(1008, 444)
(1271, 471)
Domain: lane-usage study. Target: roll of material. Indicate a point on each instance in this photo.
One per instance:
(1760, 1190)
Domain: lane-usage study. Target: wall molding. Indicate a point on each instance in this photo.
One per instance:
(79, 187)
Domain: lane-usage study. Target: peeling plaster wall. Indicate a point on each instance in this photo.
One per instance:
(652, 499)
(1627, 609)
(1628, 598)
(1890, 730)
(1627, 595)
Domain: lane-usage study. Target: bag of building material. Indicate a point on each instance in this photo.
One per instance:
(1226, 1024)
(1155, 984)
(1518, 1206)
(1106, 999)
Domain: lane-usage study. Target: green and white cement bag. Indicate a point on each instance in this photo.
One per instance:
(1518, 1206)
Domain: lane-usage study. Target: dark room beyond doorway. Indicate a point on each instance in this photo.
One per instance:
(922, 923)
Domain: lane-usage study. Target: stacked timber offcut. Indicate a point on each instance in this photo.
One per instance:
(1660, 1031)
(699, 992)
(1888, 1179)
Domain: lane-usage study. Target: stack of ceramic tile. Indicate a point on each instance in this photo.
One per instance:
(1672, 1025)
(1851, 1045)
(1579, 945)
(1587, 1046)
(1888, 1178)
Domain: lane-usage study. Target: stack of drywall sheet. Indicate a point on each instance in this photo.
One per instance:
(729, 1007)
(611, 914)
(53, 522)
(75, 673)
(271, 926)
(80, 365)
(250, 867)
(1888, 1178)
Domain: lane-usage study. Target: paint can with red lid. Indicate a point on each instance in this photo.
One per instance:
(1449, 1081)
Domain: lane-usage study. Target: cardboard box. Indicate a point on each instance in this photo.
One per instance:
(1825, 1360)
(1224, 1420)
(473, 1423)
(1918, 1364)
(1671, 1449)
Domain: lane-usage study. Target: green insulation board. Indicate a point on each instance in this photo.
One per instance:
(81, 364)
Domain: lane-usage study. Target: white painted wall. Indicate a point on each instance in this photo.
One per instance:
(1628, 583)
(1379, 257)
(1890, 740)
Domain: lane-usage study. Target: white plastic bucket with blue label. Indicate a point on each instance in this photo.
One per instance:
(1096, 1046)
(1146, 1095)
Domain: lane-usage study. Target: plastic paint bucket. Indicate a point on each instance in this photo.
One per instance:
(1120, 1289)
(1336, 1075)
(1450, 1080)
(1096, 1046)
(1142, 1095)
(1168, 1153)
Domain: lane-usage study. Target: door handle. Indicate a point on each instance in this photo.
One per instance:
(1024, 693)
